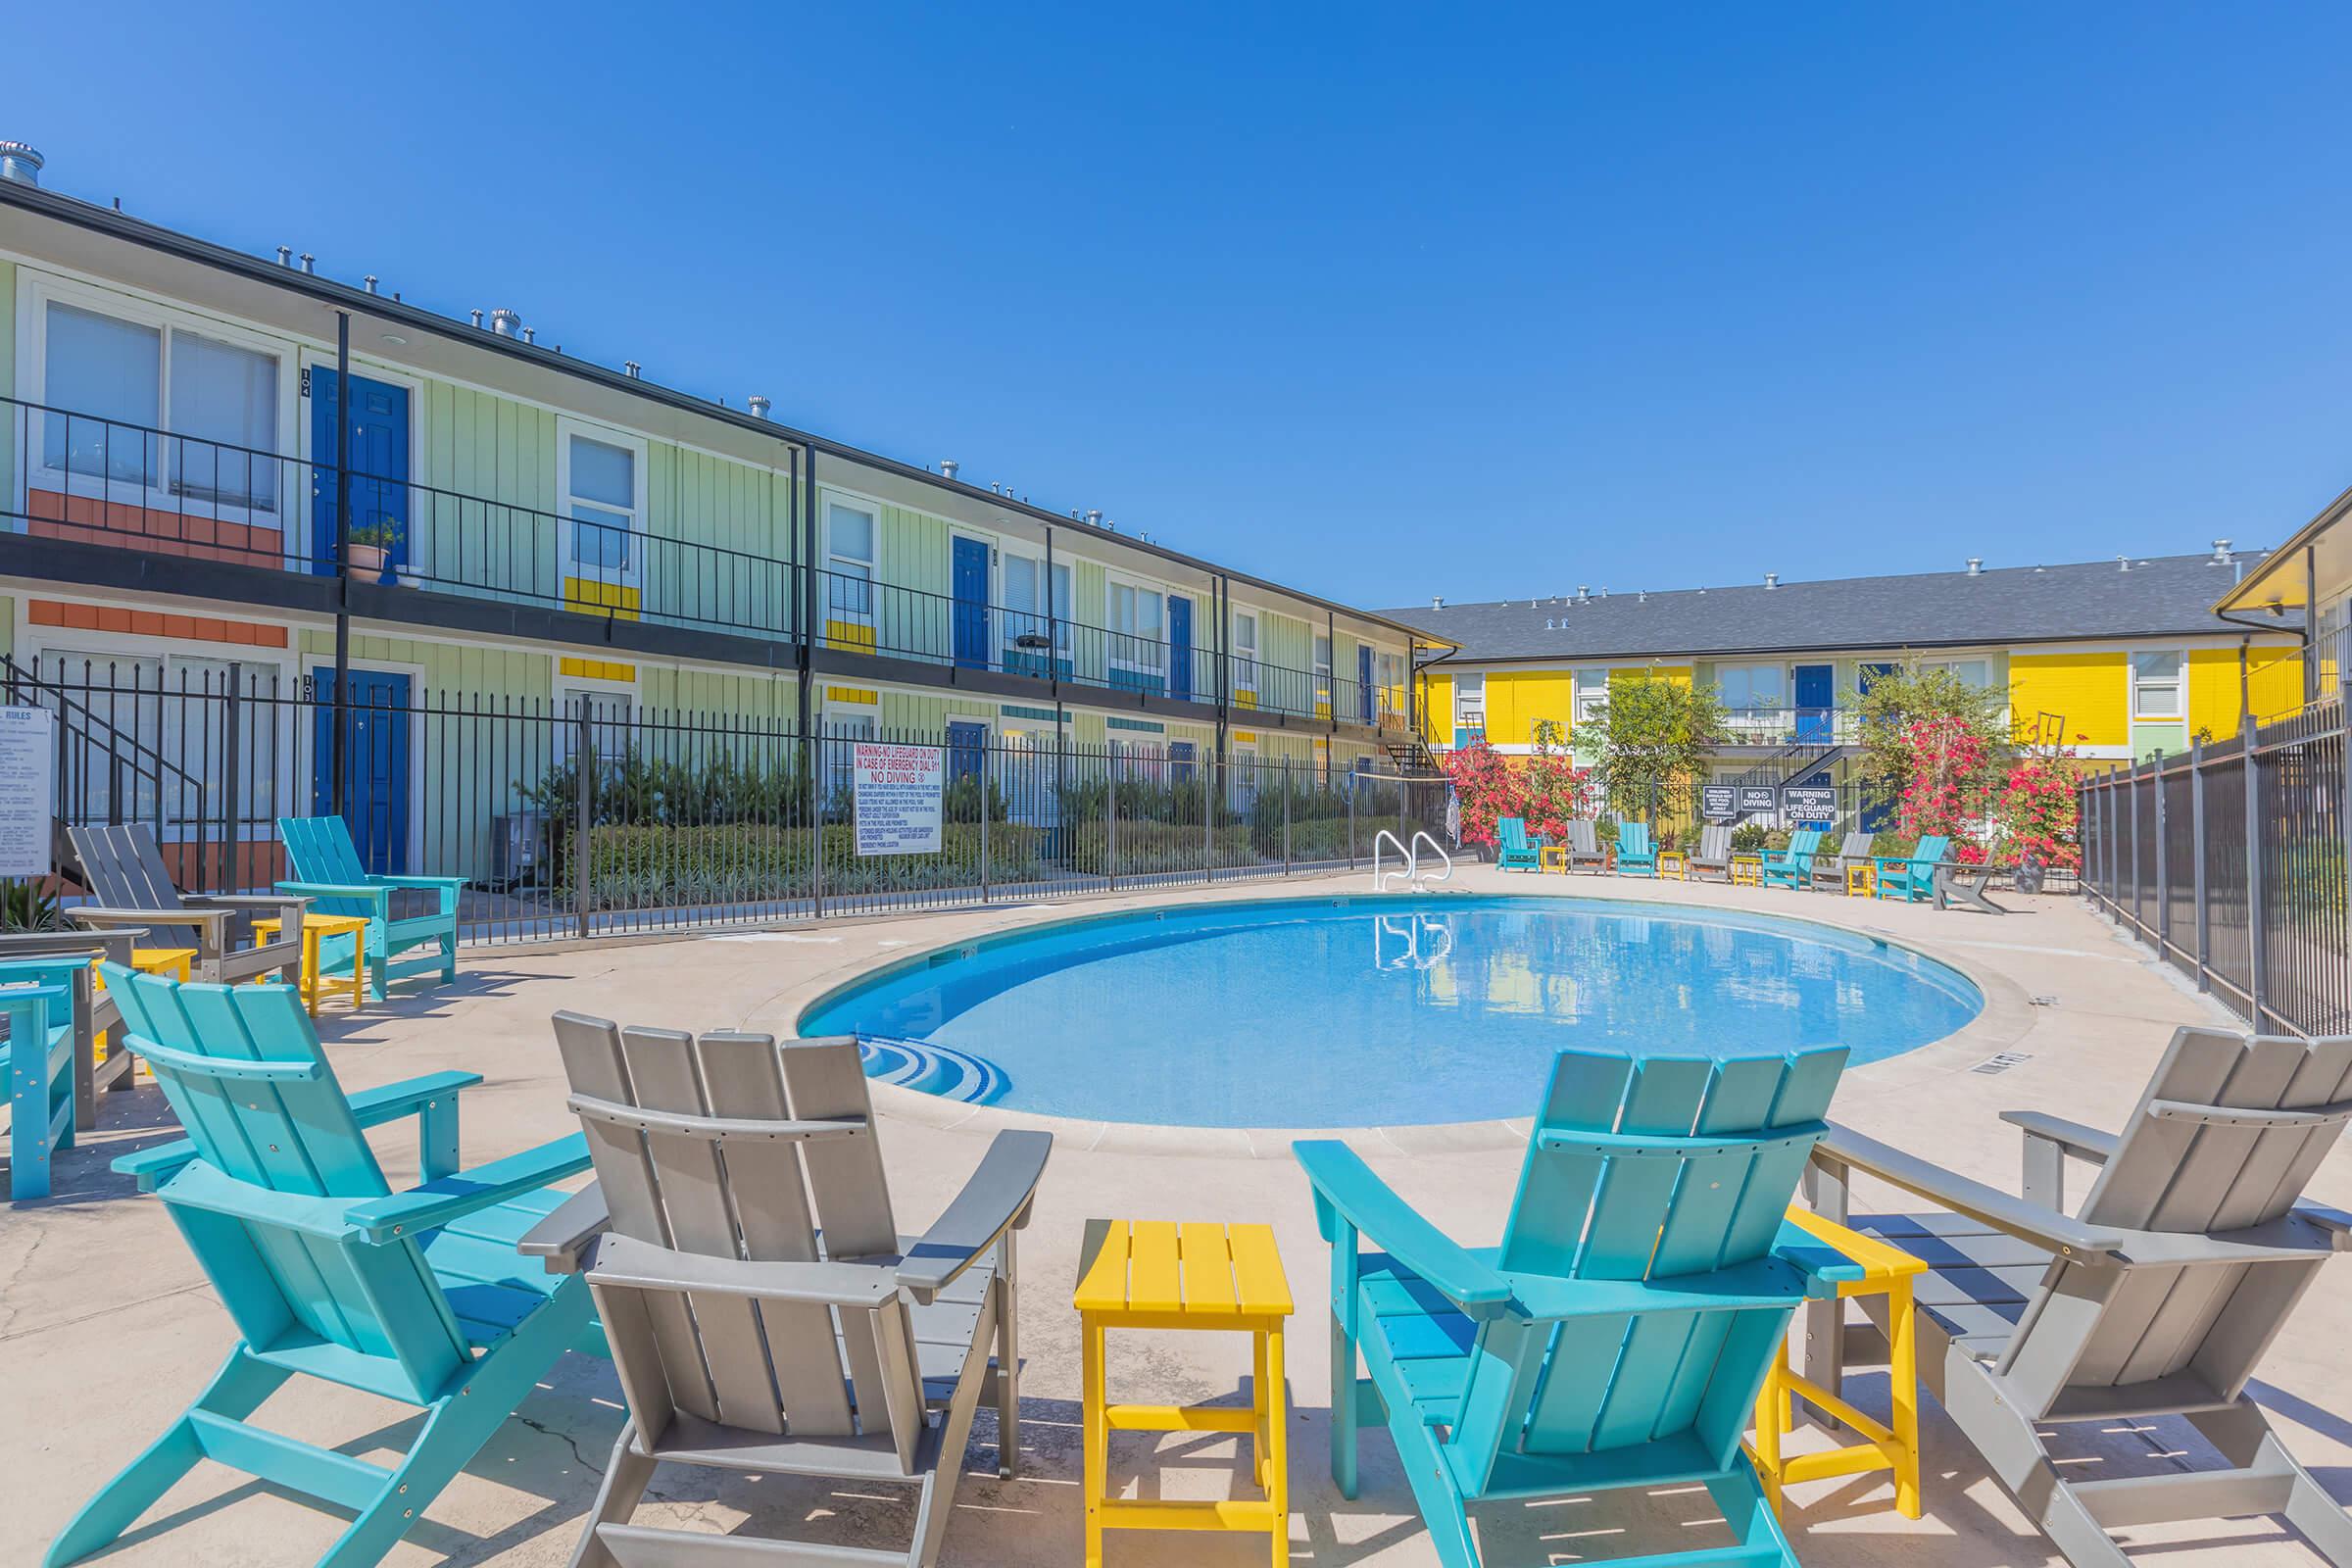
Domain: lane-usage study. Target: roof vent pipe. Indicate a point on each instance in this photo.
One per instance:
(1583, 592)
(995, 489)
(477, 316)
(948, 466)
(1772, 579)
(530, 334)
(20, 163)
(2123, 563)
(506, 322)
(757, 405)
(1437, 601)
(2220, 554)
(1094, 516)
(631, 367)
(369, 283)
(1976, 565)
(285, 256)
(310, 262)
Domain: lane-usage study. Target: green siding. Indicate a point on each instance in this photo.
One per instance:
(463, 670)
(1090, 588)
(8, 363)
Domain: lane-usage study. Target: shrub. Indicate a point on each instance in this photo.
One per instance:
(633, 866)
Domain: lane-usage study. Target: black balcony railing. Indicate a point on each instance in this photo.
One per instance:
(92, 480)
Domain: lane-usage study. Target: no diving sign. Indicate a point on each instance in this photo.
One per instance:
(898, 790)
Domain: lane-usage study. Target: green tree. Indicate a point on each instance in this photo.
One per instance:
(1651, 740)
(1897, 702)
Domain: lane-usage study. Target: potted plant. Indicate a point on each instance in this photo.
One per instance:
(370, 544)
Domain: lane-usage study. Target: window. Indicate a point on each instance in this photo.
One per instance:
(1245, 651)
(1322, 676)
(1027, 613)
(173, 707)
(1390, 675)
(1976, 673)
(1591, 694)
(849, 564)
(115, 382)
(1135, 641)
(842, 730)
(1470, 703)
(611, 730)
(601, 504)
(2156, 686)
(1752, 685)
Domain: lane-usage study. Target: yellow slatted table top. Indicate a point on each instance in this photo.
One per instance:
(1201, 1270)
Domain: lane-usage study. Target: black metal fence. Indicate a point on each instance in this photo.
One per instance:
(590, 816)
(2228, 861)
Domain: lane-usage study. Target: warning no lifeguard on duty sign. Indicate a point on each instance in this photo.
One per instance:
(896, 791)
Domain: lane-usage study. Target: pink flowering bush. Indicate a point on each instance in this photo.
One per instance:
(2037, 810)
(1487, 789)
(1948, 782)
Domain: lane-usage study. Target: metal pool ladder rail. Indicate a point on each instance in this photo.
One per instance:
(1411, 856)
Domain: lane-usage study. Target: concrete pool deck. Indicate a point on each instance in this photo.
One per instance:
(106, 1328)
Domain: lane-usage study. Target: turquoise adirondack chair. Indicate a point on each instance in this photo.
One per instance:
(327, 871)
(418, 1297)
(1619, 1335)
(1793, 867)
(37, 1066)
(1514, 851)
(1912, 877)
(1637, 855)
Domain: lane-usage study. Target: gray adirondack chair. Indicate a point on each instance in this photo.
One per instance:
(1829, 872)
(122, 868)
(1714, 852)
(1584, 846)
(740, 1213)
(2158, 1298)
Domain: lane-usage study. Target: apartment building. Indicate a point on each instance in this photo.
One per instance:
(2119, 659)
(185, 428)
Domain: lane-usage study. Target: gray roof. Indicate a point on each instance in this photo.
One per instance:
(2164, 596)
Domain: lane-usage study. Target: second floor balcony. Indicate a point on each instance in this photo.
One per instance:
(83, 479)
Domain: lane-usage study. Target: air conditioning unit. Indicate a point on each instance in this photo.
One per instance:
(515, 840)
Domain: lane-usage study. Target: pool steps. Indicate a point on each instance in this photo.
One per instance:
(932, 1069)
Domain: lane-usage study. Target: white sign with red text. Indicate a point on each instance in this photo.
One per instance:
(898, 790)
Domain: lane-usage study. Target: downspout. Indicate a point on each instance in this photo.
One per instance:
(2310, 624)
(339, 753)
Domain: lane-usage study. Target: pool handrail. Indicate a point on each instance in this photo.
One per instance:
(1420, 837)
(1379, 879)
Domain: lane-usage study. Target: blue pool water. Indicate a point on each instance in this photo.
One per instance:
(1368, 1011)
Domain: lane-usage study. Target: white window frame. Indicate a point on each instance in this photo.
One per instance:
(1470, 699)
(828, 609)
(567, 557)
(1753, 707)
(1244, 657)
(1952, 667)
(2178, 685)
(1588, 691)
(1132, 651)
(38, 292)
(1055, 606)
(598, 690)
(1388, 674)
(1320, 646)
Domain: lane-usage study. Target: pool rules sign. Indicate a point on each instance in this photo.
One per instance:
(898, 791)
(28, 791)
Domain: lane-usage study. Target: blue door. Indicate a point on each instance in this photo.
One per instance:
(964, 746)
(1816, 701)
(375, 783)
(379, 466)
(1363, 680)
(1180, 648)
(1180, 762)
(969, 576)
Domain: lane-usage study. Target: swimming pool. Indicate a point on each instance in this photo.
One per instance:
(1370, 1011)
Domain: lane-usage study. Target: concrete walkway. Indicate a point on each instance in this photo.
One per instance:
(106, 1328)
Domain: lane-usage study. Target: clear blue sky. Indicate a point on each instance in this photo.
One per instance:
(1379, 302)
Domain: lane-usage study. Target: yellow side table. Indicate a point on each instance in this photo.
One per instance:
(316, 927)
(176, 964)
(1861, 879)
(1748, 871)
(1555, 858)
(1158, 1274)
(1885, 1270)
(1674, 863)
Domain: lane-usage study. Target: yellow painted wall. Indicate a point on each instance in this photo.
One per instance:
(1437, 710)
(1517, 701)
(2090, 691)
(1673, 675)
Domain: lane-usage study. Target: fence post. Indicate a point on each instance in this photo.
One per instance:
(817, 825)
(232, 724)
(583, 772)
(1351, 788)
(2254, 878)
(984, 798)
(1286, 820)
(2136, 841)
(2164, 866)
(1110, 815)
(2196, 850)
